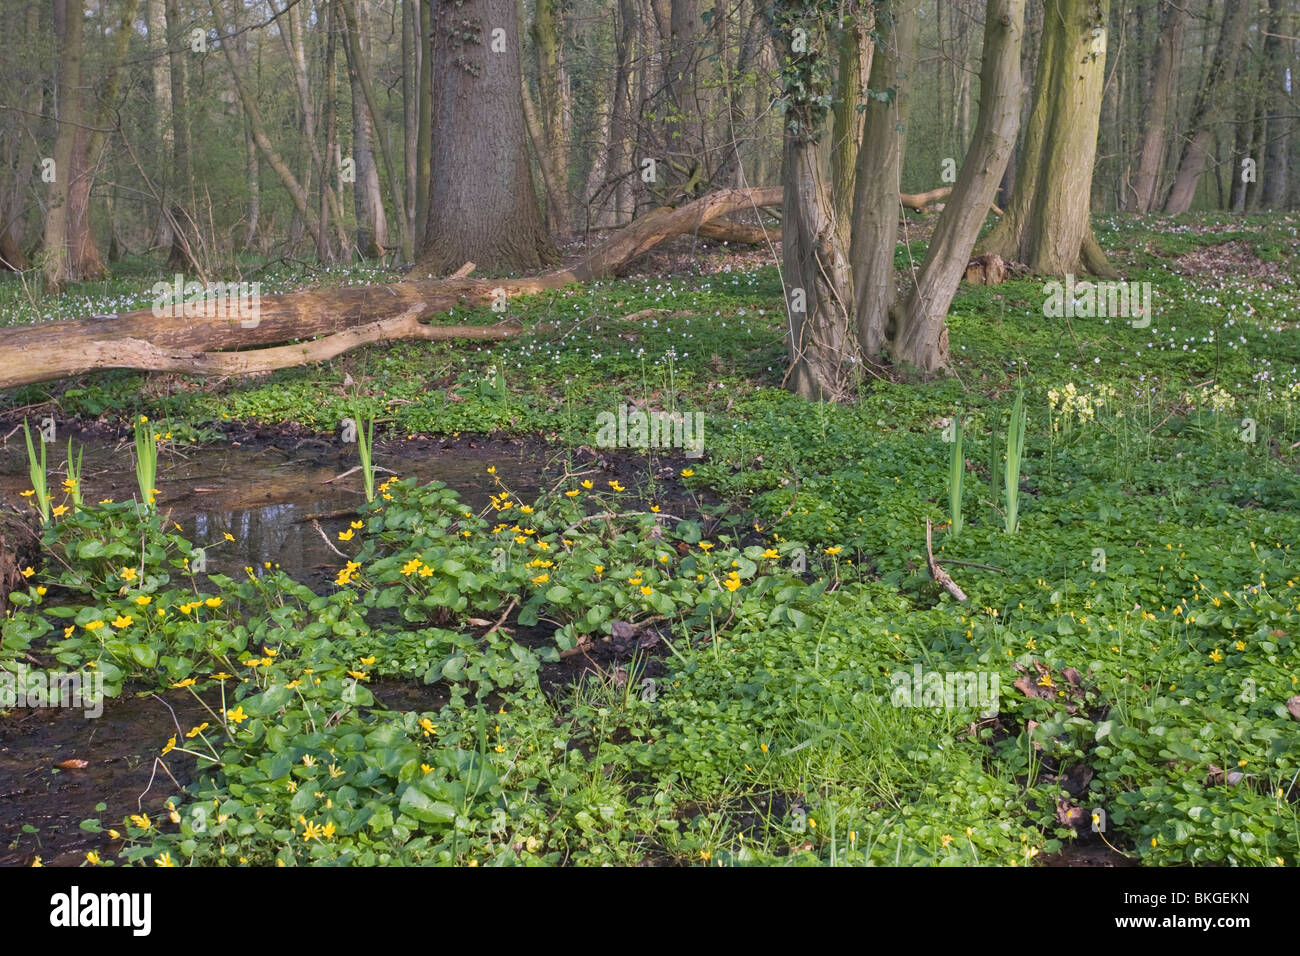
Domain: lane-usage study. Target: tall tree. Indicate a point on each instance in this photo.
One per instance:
(920, 337)
(482, 203)
(551, 82)
(1279, 118)
(69, 21)
(1158, 105)
(1047, 223)
(1212, 100)
(879, 171)
(816, 276)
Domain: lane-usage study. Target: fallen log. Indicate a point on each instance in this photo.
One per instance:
(315, 325)
(205, 344)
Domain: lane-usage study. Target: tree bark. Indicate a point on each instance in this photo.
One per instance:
(921, 338)
(69, 17)
(482, 204)
(1279, 122)
(1047, 224)
(554, 129)
(365, 120)
(879, 167)
(1158, 112)
(855, 54)
(1211, 100)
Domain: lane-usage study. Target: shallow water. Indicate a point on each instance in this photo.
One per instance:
(266, 497)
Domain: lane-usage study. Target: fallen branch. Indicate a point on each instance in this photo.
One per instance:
(939, 574)
(346, 317)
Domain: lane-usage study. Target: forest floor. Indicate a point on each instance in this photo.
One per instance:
(563, 651)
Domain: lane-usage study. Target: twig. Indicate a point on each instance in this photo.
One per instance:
(502, 619)
(939, 574)
(328, 543)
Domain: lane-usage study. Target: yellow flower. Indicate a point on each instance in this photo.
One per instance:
(541, 579)
(647, 590)
(187, 682)
(425, 768)
(687, 472)
(140, 820)
(58, 511)
(128, 574)
(771, 553)
(94, 625)
(763, 747)
(1241, 645)
(1216, 655)
(171, 745)
(37, 862)
(359, 675)
(410, 567)
(143, 599)
(28, 493)
(41, 590)
(195, 731)
(705, 546)
(28, 571)
(572, 494)
(164, 860)
(327, 831)
(356, 525)
(731, 584)
(92, 858)
(346, 535)
(834, 549)
(237, 715)
(312, 832)
(586, 483)
(615, 485)
(499, 749)
(213, 602)
(492, 469)
(599, 569)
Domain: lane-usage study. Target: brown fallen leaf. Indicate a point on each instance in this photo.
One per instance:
(1293, 707)
(73, 764)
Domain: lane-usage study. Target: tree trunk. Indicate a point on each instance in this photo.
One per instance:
(254, 117)
(554, 129)
(1275, 165)
(425, 131)
(921, 338)
(482, 205)
(1211, 101)
(855, 54)
(880, 160)
(365, 125)
(180, 178)
(1158, 111)
(1047, 224)
(69, 16)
